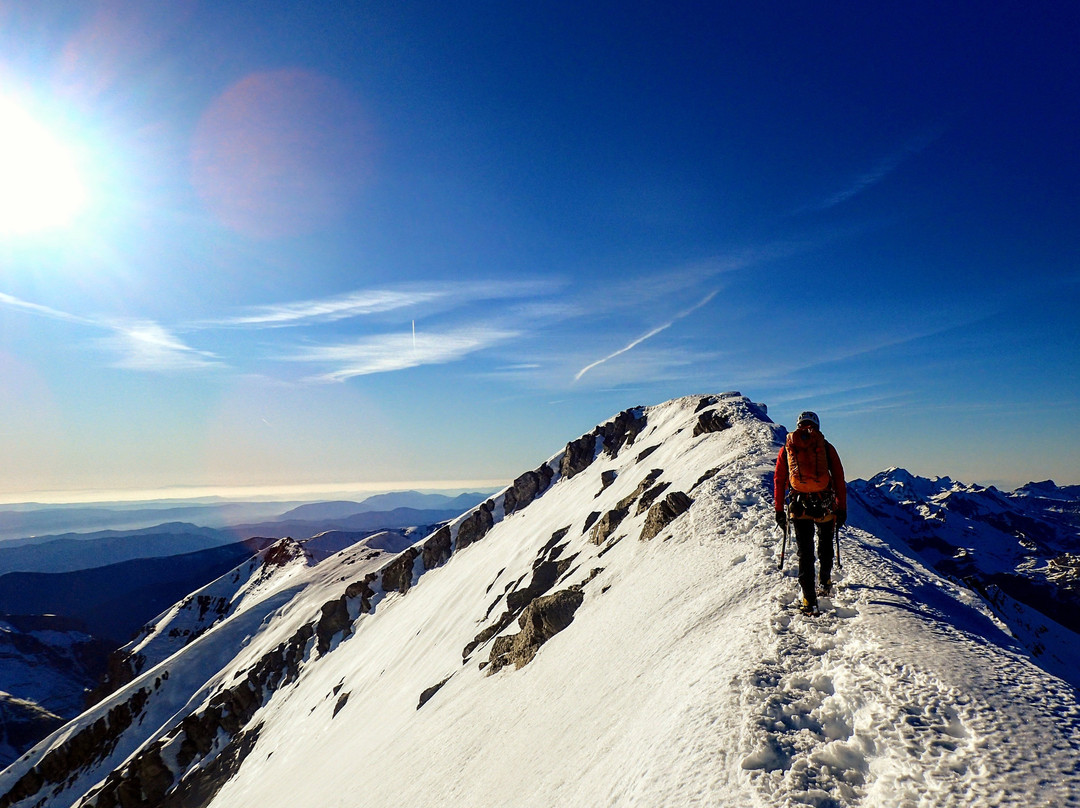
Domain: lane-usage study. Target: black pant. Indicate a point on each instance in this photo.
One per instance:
(804, 537)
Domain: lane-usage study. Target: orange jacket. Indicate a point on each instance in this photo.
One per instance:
(836, 471)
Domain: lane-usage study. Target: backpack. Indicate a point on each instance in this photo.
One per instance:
(808, 461)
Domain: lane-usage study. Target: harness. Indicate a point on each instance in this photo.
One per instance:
(818, 505)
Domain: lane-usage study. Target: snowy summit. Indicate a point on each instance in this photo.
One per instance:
(611, 629)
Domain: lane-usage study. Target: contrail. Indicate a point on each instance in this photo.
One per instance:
(644, 337)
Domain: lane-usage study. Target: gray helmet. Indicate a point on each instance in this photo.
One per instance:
(808, 416)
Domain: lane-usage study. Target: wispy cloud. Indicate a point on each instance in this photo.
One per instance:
(877, 173)
(363, 302)
(634, 343)
(354, 304)
(148, 346)
(140, 345)
(42, 311)
(391, 352)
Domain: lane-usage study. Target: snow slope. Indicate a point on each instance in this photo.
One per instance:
(596, 645)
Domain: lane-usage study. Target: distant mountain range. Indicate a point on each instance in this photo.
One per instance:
(1018, 550)
(98, 589)
(29, 521)
(413, 500)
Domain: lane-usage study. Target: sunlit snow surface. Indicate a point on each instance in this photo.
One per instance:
(685, 678)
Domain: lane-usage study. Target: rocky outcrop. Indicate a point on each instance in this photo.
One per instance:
(425, 697)
(542, 619)
(437, 548)
(334, 618)
(397, 576)
(88, 746)
(664, 513)
(711, 421)
(547, 570)
(526, 488)
(610, 437)
(23, 723)
(607, 525)
(704, 478)
(578, 455)
(613, 518)
(144, 780)
(476, 525)
(649, 497)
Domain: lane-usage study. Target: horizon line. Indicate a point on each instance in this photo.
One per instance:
(269, 493)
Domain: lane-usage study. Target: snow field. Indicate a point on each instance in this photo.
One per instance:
(885, 702)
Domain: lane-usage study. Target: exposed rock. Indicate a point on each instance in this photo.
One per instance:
(649, 479)
(86, 747)
(706, 401)
(335, 618)
(646, 452)
(552, 548)
(425, 697)
(199, 788)
(526, 488)
(545, 574)
(437, 548)
(590, 520)
(542, 619)
(397, 576)
(622, 430)
(649, 497)
(607, 524)
(544, 577)
(708, 475)
(578, 455)
(611, 437)
(664, 512)
(343, 699)
(362, 589)
(711, 421)
(476, 525)
(606, 479)
(611, 520)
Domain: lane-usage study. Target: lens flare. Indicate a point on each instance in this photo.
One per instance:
(40, 187)
(281, 153)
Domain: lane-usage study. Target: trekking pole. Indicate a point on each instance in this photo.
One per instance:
(783, 547)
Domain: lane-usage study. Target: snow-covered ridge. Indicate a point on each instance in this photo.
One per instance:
(228, 708)
(610, 629)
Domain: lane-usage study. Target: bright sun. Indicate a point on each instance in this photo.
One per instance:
(40, 188)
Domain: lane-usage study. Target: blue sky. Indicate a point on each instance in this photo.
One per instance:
(340, 243)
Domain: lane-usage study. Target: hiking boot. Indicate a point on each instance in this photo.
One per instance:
(825, 589)
(808, 607)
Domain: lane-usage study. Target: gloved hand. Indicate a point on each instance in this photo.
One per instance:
(841, 519)
(781, 519)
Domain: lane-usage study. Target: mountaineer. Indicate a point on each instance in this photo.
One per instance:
(809, 465)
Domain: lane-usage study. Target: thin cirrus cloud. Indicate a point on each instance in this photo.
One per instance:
(145, 345)
(330, 309)
(879, 172)
(391, 352)
(42, 311)
(376, 301)
(649, 335)
(141, 345)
